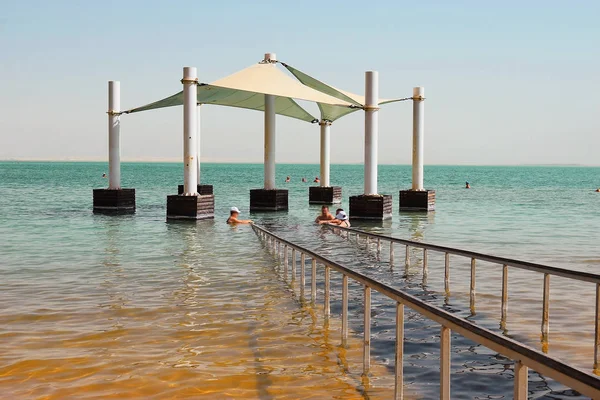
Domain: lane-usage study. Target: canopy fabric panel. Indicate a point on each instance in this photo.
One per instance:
(328, 112)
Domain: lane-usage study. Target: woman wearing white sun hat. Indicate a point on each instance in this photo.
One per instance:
(341, 219)
(234, 212)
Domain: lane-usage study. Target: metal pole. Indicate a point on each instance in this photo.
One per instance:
(399, 386)
(302, 273)
(313, 283)
(344, 309)
(418, 137)
(472, 287)
(545, 308)
(504, 296)
(597, 330)
(521, 383)
(270, 134)
(325, 152)
(445, 363)
(285, 260)
(114, 135)
(190, 127)
(391, 254)
(367, 337)
(371, 130)
(407, 258)
(425, 273)
(293, 264)
(447, 273)
(326, 307)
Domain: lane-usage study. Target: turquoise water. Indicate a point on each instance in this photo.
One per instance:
(67, 272)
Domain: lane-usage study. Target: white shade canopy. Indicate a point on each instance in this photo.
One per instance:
(246, 89)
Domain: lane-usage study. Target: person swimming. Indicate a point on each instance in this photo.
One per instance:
(317, 180)
(467, 185)
(303, 179)
(341, 219)
(234, 213)
(598, 190)
(104, 175)
(325, 215)
(288, 179)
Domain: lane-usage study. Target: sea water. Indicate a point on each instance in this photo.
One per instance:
(133, 306)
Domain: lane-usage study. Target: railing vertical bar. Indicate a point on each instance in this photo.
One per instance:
(546, 308)
(425, 263)
(399, 382)
(407, 258)
(293, 264)
(391, 254)
(326, 308)
(313, 283)
(367, 336)
(597, 330)
(378, 246)
(521, 384)
(302, 273)
(447, 272)
(344, 309)
(504, 296)
(445, 363)
(472, 286)
(285, 260)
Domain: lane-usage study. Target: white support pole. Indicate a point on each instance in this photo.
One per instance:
(114, 135)
(325, 152)
(190, 127)
(418, 137)
(371, 130)
(269, 133)
(198, 143)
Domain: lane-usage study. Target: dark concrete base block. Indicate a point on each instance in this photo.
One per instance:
(114, 200)
(203, 190)
(324, 195)
(374, 207)
(268, 200)
(417, 200)
(190, 207)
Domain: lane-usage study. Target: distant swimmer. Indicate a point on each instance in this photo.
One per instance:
(288, 179)
(303, 179)
(104, 175)
(467, 185)
(233, 217)
(598, 190)
(317, 180)
(325, 215)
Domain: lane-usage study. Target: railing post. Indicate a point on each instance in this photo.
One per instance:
(546, 308)
(313, 283)
(344, 309)
(367, 336)
(407, 258)
(425, 273)
(521, 384)
(445, 363)
(391, 254)
(504, 296)
(293, 264)
(326, 307)
(447, 272)
(378, 246)
(597, 330)
(302, 273)
(285, 260)
(472, 288)
(399, 382)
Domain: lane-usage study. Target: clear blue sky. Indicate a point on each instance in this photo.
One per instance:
(506, 82)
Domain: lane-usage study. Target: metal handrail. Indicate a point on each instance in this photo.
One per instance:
(546, 269)
(505, 262)
(525, 357)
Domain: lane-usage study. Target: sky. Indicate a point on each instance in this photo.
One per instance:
(507, 83)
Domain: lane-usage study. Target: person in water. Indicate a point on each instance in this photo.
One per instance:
(104, 175)
(467, 185)
(340, 219)
(303, 179)
(317, 180)
(325, 215)
(288, 179)
(598, 190)
(234, 213)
